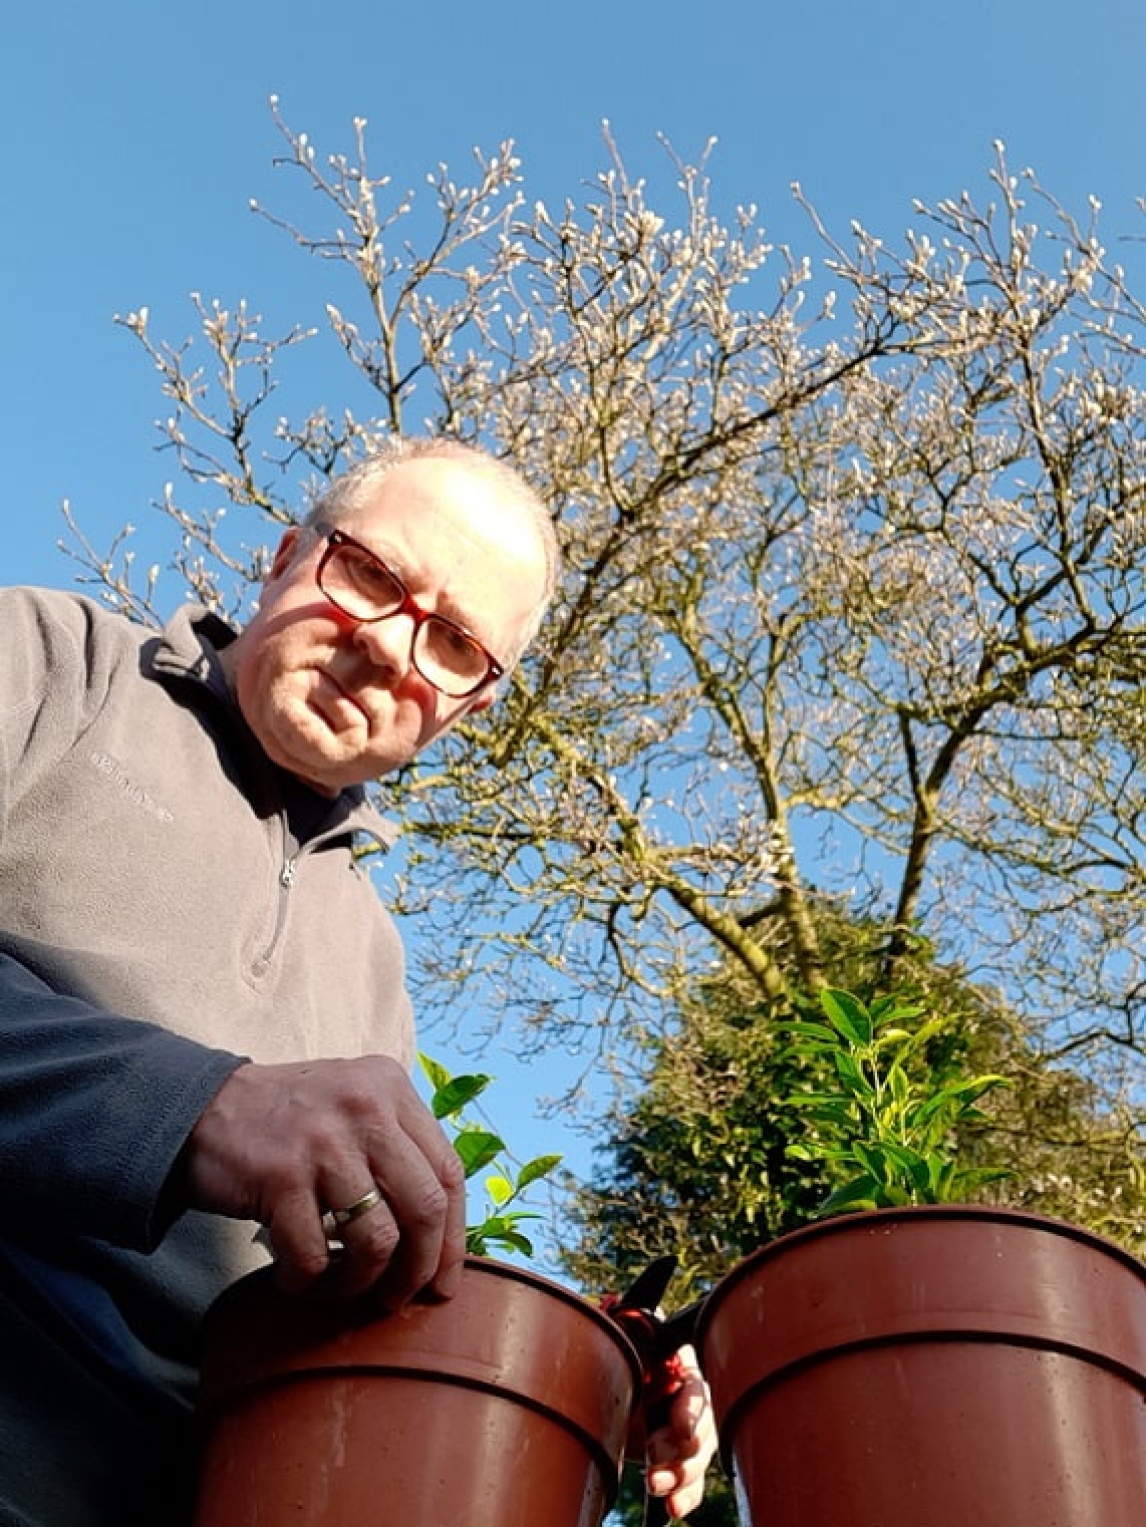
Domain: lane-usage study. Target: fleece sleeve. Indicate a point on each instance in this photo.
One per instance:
(94, 1107)
(94, 1111)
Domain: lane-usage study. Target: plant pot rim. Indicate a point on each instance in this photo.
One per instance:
(976, 1272)
(361, 1304)
(275, 1333)
(877, 1221)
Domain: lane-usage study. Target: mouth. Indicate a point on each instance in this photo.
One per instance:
(333, 699)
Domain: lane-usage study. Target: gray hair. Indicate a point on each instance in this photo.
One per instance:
(344, 494)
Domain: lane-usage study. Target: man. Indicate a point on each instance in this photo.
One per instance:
(204, 1033)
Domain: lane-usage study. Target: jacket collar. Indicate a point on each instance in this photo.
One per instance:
(188, 650)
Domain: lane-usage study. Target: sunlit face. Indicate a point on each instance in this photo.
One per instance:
(338, 702)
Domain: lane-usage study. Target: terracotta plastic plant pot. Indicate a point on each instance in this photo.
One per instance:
(933, 1367)
(507, 1406)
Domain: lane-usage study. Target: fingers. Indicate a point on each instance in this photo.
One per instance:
(415, 1238)
(298, 1240)
(293, 1145)
(679, 1453)
(364, 1235)
(447, 1277)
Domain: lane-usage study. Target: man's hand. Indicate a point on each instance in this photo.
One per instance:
(288, 1145)
(679, 1452)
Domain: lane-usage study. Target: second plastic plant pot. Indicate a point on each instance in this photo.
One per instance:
(938, 1365)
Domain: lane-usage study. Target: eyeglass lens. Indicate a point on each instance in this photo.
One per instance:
(365, 589)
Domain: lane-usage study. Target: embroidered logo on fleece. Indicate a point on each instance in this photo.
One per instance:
(114, 771)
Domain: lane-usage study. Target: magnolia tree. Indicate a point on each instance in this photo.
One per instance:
(854, 613)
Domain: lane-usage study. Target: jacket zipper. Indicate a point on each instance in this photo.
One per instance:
(292, 855)
(292, 852)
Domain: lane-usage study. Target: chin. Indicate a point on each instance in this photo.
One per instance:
(310, 751)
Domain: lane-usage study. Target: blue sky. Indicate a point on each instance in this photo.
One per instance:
(137, 132)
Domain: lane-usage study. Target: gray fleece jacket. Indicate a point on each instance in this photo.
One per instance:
(170, 903)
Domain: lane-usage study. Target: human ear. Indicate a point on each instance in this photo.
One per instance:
(285, 555)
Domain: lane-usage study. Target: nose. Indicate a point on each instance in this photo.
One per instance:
(388, 644)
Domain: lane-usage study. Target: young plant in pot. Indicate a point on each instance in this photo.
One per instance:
(888, 1127)
(482, 1149)
(911, 1358)
(508, 1404)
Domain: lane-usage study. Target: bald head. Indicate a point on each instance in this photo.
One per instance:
(504, 494)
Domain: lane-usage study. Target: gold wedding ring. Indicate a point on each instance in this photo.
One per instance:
(359, 1207)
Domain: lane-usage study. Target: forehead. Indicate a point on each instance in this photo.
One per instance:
(458, 540)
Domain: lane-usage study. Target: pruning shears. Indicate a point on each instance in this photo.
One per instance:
(657, 1339)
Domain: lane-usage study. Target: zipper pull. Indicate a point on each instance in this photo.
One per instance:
(286, 877)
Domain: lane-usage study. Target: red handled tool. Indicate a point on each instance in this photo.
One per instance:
(657, 1340)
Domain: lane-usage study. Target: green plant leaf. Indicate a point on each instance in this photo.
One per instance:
(938, 1171)
(848, 1070)
(900, 1085)
(969, 1179)
(817, 1150)
(436, 1073)
(825, 1107)
(500, 1190)
(874, 1158)
(534, 1170)
(920, 1174)
(861, 1193)
(887, 1039)
(456, 1093)
(892, 1009)
(819, 1032)
(902, 1157)
(477, 1148)
(957, 1097)
(912, 1043)
(848, 1015)
(513, 1240)
(500, 1230)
